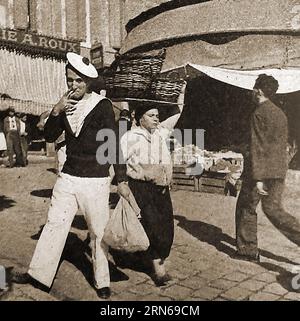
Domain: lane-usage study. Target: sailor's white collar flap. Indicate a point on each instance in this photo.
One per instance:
(89, 105)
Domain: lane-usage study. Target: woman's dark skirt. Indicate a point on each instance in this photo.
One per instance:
(157, 216)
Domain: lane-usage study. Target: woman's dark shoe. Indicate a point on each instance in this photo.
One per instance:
(161, 280)
(104, 293)
(249, 258)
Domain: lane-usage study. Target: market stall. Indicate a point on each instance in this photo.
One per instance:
(200, 170)
(221, 53)
(136, 78)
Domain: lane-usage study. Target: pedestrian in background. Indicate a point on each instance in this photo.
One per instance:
(13, 141)
(125, 120)
(60, 143)
(265, 168)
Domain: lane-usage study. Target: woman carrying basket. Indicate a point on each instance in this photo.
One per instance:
(149, 168)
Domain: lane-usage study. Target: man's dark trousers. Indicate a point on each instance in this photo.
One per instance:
(14, 147)
(246, 216)
(24, 148)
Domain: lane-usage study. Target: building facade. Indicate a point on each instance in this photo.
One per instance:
(36, 34)
(88, 21)
(222, 32)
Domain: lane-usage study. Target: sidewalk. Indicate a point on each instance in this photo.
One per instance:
(200, 261)
(34, 157)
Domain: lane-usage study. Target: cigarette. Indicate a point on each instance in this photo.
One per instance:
(71, 91)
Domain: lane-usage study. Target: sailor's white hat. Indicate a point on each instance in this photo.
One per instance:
(82, 64)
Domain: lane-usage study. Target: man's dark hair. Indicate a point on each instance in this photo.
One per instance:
(125, 113)
(268, 84)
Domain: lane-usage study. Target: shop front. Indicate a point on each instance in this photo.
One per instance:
(32, 73)
(33, 67)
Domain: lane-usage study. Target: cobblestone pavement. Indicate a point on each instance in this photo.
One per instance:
(201, 260)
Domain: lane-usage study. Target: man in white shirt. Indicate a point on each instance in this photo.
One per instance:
(12, 134)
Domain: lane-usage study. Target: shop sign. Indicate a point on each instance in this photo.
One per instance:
(37, 41)
(97, 56)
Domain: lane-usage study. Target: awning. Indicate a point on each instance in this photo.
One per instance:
(28, 107)
(243, 35)
(32, 66)
(216, 18)
(288, 79)
(31, 78)
(248, 52)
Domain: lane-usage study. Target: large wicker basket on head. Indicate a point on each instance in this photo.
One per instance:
(166, 89)
(120, 85)
(143, 63)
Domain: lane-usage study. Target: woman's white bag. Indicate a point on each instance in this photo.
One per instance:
(124, 231)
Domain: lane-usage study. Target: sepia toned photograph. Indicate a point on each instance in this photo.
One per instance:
(149, 152)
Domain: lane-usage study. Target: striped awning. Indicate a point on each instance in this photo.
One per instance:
(28, 107)
(28, 78)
